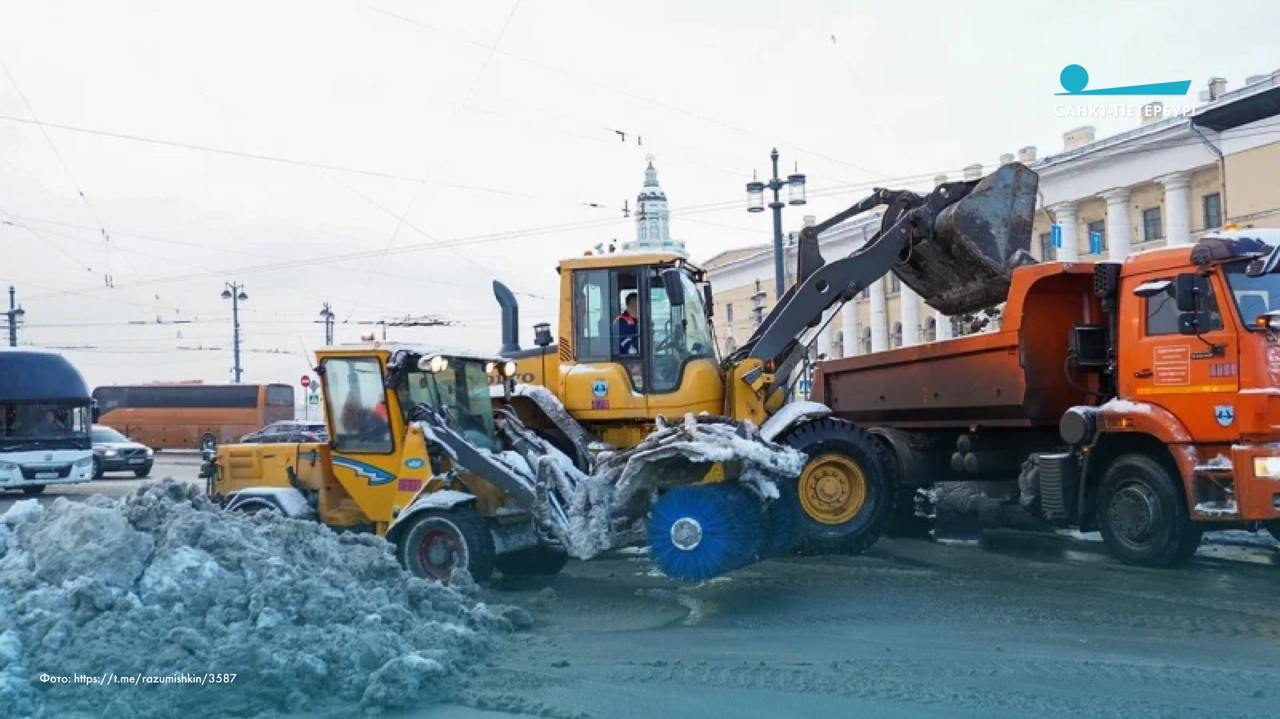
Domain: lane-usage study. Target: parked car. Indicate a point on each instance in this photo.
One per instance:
(114, 452)
(289, 431)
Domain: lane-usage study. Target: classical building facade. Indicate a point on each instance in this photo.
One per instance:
(653, 219)
(1163, 183)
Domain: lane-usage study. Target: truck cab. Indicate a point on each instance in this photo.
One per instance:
(44, 422)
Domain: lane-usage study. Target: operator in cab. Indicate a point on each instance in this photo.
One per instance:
(627, 325)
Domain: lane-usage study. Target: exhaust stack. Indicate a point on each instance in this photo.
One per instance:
(510, 318)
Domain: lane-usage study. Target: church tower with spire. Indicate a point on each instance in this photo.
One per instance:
(653, 219)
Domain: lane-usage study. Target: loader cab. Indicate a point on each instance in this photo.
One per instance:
(641, 343)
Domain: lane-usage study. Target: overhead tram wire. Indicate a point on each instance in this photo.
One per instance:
(572, 226)
(66, 169)
(621, 91)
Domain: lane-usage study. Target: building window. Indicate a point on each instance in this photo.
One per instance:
(866, 340)
(1212, 211)
(728, 313)
(1047, 250)
(930, 329)
(1097, 237)
(1151, 226)
(895, 340)
(894, 284)
(837, 345)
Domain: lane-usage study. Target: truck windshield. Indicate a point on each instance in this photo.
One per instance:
(462, 391)
(47, 425)
(1253, 295)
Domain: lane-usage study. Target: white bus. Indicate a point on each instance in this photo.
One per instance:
(45, 421)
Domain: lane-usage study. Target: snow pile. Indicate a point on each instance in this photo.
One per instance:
(162, 583)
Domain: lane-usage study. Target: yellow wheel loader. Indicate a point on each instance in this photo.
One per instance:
(427, 450)
(636, 346)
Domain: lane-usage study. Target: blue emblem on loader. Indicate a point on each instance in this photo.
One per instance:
(600, 388)
(1225, 414)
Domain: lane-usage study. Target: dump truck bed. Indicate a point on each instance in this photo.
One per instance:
(1015, 377)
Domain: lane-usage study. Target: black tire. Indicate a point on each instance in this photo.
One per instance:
(1142, 513)
(839, 438)
(141, 472)
(539, 561)
(462, 536)
(33, 490)
(98, 471)
(1274, 527)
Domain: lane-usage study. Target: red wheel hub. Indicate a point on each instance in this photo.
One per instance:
(440, 551)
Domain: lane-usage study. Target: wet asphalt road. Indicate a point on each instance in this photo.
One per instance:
(1015, 626)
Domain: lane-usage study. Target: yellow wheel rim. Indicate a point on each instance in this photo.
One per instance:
(832, 489)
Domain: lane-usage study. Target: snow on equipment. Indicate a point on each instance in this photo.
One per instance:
(598, 394)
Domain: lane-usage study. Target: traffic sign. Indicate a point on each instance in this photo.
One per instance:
(306, 381)
(313, 399)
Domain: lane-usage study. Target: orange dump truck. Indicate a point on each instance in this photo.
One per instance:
(1140, 398)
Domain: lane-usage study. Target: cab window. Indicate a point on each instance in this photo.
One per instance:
(357, 405)
(1162, 312)
(591, 315)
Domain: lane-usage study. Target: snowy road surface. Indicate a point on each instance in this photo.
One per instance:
(1020, 626)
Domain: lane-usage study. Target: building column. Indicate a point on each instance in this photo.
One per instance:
(879, 317)
(1118, 244)
(944, 325)
(1069, 220)
(824, 337)
(1177, 208)
(849, 325)
(909, 309)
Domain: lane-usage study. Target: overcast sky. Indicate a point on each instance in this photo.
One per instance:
(435, 146)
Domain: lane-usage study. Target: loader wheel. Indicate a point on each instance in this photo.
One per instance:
(539, 561)
(845, 492)
(439, 541)
(1142, 514)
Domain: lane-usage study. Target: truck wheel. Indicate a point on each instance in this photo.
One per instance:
(845, 492)
(33, 489)
(98, 471)
(1142, 514)
(539, 561)
(438, 542)
(141, 472)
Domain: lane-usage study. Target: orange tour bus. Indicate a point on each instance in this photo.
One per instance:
(191, 415)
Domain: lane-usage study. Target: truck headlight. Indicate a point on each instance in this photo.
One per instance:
(110, 453)
(509, 369)
(150, 452)
(1266, 467)
(7, 466)
(433, 364)
(82, 463)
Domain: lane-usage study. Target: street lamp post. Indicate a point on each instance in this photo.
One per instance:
(326, 313)
(14, 314)
(235, 293)
(755, 203)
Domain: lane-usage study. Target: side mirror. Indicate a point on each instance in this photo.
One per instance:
(1193, 323)
(671, 280)
(708, 305)
(1189, 287)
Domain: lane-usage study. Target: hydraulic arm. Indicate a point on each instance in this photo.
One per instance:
(955, 246)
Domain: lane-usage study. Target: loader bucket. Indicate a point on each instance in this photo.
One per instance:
(966, 263)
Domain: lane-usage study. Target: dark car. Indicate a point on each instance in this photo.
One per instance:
(114, 452)
(289, 431)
